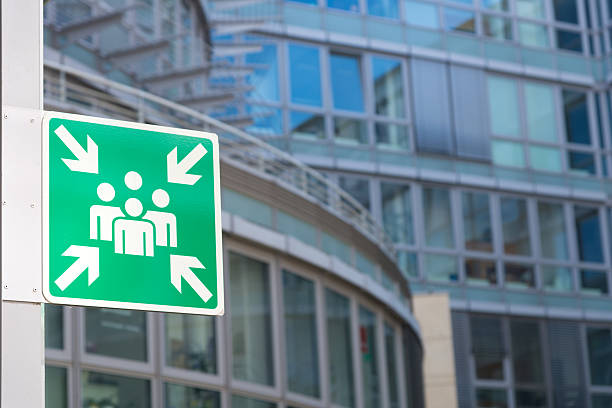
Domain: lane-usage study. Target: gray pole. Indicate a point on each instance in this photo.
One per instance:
(22, 334)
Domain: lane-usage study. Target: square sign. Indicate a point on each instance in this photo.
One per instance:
(131, 216)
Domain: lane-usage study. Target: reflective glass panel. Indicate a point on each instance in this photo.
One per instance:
(369, 358)
(440, 268)
(384, 8)
(106, 390)
(509, 154)
(459, 20)
(358, 188)
(497, 27)
(348, 5)
(54, 326)
(391, 366)
(350, 131)
(569, 40)
(437, 218)
(519, 276)
(422, 14)
(599, 344)
(338, 322)
(553, 236)
(581, 163)
(407, 262)
(497, 5)
(397, 211)
(191, 342)
(601, 401)
(526, 352)
(300, 334)
(530, 399)
(306, 125)
(238, 401)
(556, 278)
(346, 82)
(576, 116)
(515, 226)
(180, 396)
(388, 88)
(267, 120)
(588, 234)
(488, 346)
(391, 136)
(491, 398)
(503, 106)
(480, 272)
(540, 110)
(250, 320)
(477, 230)
(264, 80)
(531, 8)
(56, 387)
(533, 35)
(545, 158)
(593, 282)
(116, 333)
(566, 11)
(305, 75)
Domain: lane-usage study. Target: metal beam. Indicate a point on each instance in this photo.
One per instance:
(128, 55)
(230, 49)
(83, 28)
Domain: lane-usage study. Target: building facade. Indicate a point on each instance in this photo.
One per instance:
(318, 312)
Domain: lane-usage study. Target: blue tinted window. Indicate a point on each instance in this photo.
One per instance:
(349, 5)
(305, 73)
(346, 83)
(566, 11)
(581, 163)
(576, 117)
(383, 8)
(588, 234)
(422, 14)
(569, 40)
(388, 90)
(459, 20)
(264, 81)
(314, 2)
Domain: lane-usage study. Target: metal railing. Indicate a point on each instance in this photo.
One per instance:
(71, 89)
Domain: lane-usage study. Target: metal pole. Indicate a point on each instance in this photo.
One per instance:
(22, 334)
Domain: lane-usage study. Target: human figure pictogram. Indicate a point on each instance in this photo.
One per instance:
(103, 215)
(165, 222)
(134, 236)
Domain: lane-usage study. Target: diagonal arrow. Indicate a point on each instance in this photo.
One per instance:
(180, 266)
(177, 171)
(88, 259)
(86, 161)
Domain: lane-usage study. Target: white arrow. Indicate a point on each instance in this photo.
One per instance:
(86, 161)
(88, 259)
(180, 266)
(177, 172)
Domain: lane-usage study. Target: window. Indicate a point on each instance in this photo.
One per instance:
(56, 387)
(581, 163)
(191, 342)
(306, 125)
(488, 346)
(497, 5)
(238, 401)
(388, 89)
(588, 234)
(545, 158)
(251, 323)
(593, 282)
(106, 390)
(519, 276)
(477, 222)
(491, 397)
(350, 131)
(407, 262)
(440, 268)
(346, 82)
(300, 334)
(503, 106)
(540, 111)
(459, 20)
(599, 344)
(533, 35)
(338, 321)
(569, 40)
(515, 226)
(530, 399)
(383, 8)
(526, 352)
(566, 11)
(421, 14)
(348, 5)
(553, 238)
(397, 211)
(369, 358)
(358, 188)
(305, 75)
(497, 27)
(184, 396)
(576, 117)
(264, 80)
(116, 333)
(480, 272)
(391, 366)
(556, 278)
(509, 154)
(54, 326)
(391, 136)
(531, 8)
(437, 218)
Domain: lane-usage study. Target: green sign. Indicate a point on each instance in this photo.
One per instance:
(131, 216)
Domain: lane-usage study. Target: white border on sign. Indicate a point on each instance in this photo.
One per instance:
(47, 116)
